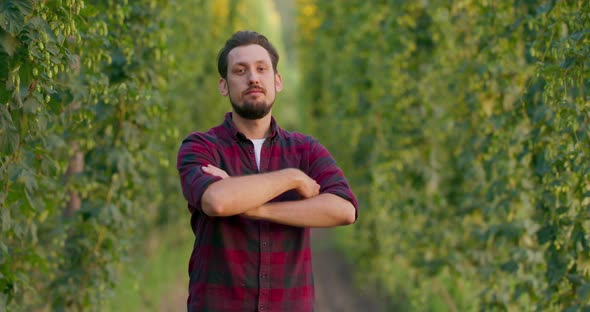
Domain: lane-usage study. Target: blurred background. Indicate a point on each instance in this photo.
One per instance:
(463, 127)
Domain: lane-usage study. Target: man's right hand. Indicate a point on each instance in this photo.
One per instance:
(235, 195)
(214, 171)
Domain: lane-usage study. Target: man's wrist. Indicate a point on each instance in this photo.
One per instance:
(293, 176)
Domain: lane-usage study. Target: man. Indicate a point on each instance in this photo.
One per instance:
(254, 190)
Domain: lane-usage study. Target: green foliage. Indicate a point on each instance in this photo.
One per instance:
(80, 84)
(95, 97)
(467, 127)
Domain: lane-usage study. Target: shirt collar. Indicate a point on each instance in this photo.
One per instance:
(230, 126)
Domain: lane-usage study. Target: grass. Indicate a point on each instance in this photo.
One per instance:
(147, 281)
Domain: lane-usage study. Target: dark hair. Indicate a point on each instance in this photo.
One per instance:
(242, 38)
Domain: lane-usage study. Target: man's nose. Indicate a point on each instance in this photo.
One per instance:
(253, 77)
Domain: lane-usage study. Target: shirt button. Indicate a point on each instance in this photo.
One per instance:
(264, 244)
(251, 151)
(261, 308)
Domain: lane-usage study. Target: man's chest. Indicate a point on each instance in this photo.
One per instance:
(240, 158)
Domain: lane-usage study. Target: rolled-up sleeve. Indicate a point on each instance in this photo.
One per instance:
(323, 169)
(194, 153)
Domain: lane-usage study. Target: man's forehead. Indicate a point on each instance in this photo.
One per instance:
(248, 54)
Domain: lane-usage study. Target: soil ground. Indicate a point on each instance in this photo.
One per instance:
(334, 282)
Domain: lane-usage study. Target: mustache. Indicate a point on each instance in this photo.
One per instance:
(255, 88)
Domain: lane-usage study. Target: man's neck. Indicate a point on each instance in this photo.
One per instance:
(253, 129)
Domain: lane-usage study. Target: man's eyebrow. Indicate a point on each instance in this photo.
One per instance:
(246, 64)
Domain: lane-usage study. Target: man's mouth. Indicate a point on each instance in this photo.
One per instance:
(254, 91)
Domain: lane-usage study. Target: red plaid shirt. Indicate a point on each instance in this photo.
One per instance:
(240, 264)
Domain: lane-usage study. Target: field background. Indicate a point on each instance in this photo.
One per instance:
(462, 126)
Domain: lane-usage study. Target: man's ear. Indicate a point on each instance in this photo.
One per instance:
(222, 85)
(278, 82)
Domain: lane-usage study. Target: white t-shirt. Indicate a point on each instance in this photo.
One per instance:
(257, 148)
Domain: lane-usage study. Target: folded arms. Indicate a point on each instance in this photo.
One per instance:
(250, 196)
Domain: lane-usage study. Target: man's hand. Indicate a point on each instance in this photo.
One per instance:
(214, 171)
(306, 186)
(324, 210)
(235, 195)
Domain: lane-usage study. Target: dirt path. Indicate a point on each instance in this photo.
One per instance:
(333, 276)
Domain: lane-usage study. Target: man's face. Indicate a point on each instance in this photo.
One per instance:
(251, 81)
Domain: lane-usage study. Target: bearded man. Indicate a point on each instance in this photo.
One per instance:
(254, 191)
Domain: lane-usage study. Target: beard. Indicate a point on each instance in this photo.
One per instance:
(250, 110)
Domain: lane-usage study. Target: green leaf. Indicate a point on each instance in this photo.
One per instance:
(561, 210)
(541, 164)
(8, 44)
(13, 13)
(33, 231)
(546, 7)
(568, 63)
(42, 26)
(4, 92)
(579, 34)
(55, 51)
(6, 219)
(574, 308)
(556, 266)
(9, 137)
(115, 213)
(31, 105)
(3, 301)
(30, 181)
(546, 234)
(18, 230)
(34, 202)
(578, 236)
(510, 266)
(3, 249)
(583, 291)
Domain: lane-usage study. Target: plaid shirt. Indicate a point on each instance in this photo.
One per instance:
(240, 264)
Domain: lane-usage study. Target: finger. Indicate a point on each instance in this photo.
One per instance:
(212, 170)
(219, 173)
(209, 169)
(316, 189)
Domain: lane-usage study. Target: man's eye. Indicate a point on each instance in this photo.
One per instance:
(240, 71)
(261, 68)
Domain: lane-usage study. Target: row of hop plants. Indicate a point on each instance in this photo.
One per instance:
(467, 130)
(95, 98)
